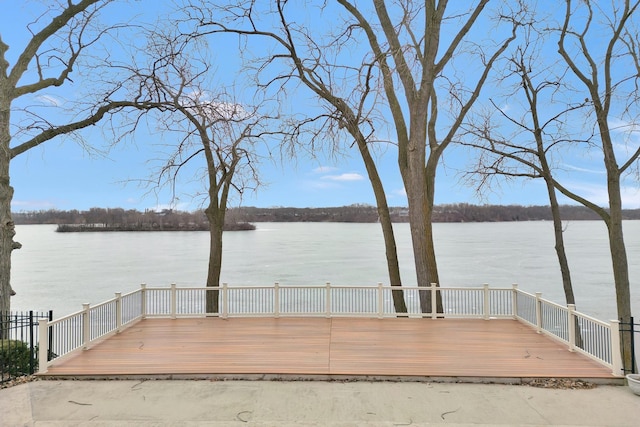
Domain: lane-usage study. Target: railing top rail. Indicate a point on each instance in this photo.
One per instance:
(591, 319)
(520, 291)
(554, 304)
(102, 304)
(128, 294)
(63, 318)
(386, 287)
(323, 286)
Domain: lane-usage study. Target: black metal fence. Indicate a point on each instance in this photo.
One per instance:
(19, 343)
(633, 328)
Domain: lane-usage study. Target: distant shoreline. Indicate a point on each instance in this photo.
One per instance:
(118, 219)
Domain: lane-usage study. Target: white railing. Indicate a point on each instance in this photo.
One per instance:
(596, 339)
(592, 337)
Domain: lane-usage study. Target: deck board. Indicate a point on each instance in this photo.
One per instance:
(330, 347)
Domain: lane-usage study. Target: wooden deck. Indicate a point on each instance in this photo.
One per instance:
(454, 349)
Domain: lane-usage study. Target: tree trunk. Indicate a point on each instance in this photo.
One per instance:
(216, 224)
(562, 255)
(7, 228)
(419, 180)
(7, 231)
(559, 245)
(620, 271)
(391, 251)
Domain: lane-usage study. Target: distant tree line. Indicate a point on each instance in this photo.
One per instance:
(134, 220)
(117, 218)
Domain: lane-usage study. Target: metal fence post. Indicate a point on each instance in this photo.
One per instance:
(538, 312)
(172, 300)
(50, 353)
(380, 301)
(86, 326)
(118, 312)
(571, 319)
(276, 299)
(634, 367)
(31, 343)
(43, 347)
(616, 354)
(486, 309)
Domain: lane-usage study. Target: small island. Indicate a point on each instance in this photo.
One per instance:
(119, 220)
(78, 228)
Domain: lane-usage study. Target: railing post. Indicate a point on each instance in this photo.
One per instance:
(43, 345)
(434, 303)
(486, 310)
(143, 300)
(514, 301)
(538, 312)
(380, 301)
(571, 319)
(172, 302)
(276, 299)
(118, 311)
(617, 368)
(328, 299)
(225, 301)
(86, 326)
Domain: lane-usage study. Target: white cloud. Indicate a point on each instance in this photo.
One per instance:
(32, 205)
(50, 100)
(598, 194)
(324, 169)
(400, 192)
(344, 177)
(618, 125)
(320, 185)
(580, 169)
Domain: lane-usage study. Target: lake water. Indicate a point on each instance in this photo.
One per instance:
(60, 271)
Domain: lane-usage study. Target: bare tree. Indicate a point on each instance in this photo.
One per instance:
(609, 79)
(521, 144)
(47, 61)
(412, 70)
(403, 45)
(311, 63)
(177, 89)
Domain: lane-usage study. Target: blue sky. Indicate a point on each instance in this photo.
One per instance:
(60, 174)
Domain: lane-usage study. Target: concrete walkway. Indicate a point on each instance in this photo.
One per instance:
(313, 403)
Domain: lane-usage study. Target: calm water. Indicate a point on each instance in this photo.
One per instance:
(60, 271)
